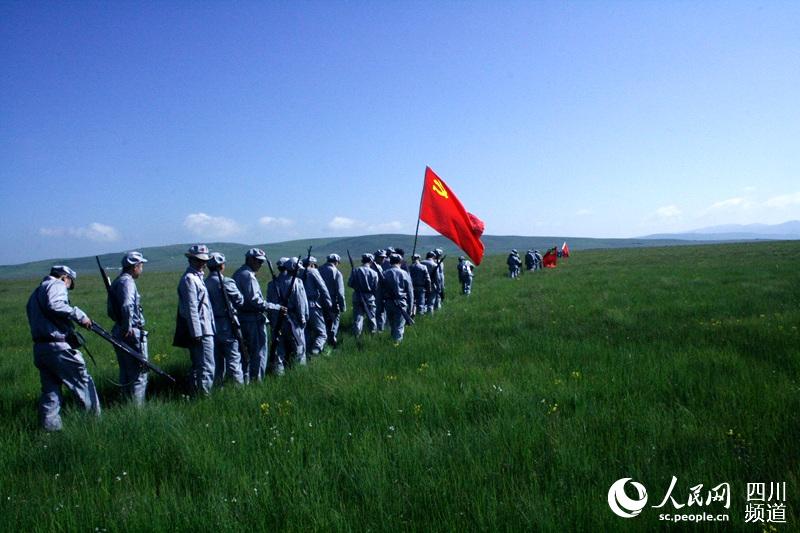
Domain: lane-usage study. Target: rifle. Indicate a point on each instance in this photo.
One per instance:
(363, 300)
(128, 350)
(236, 326)
(277, 330)
(396, 299)
(116, 343)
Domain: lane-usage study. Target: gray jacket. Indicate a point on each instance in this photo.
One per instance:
(254, 304)
(194, 305)
(335, 283)
(297, 304)
(218, 306)
(397, 287)
(364, 280)
(49, 315)
(123, 305)
(420, 276)
(316, 290)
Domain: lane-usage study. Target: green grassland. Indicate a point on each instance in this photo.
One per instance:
(514, 409)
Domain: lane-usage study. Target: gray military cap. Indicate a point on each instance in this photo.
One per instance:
(390, 250)
(461, 258)
(430, 255)
(415, 257)
(133, 258)
(366, 258)
(334, 258)
(256, 253)
(60, 270)
(217, 259)
(514, 251)
(198, 251)
(439, 252)
(380, 252)
(309, 261)
(395, 259)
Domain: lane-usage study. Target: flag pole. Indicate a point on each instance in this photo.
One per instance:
(419, 212)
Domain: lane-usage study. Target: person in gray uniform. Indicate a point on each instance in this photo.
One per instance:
(378, 264)
(319, 305)
(398, 289)
(227, 354)
(421, 279)
(291, 345)
(513, 263)
(125, 309)
(252, 317)
(538, 255)
(530, 261)
(194, 307)
(334, 281)
(364, 281)
(465, 274)
(440, 278)
(55, 351)
(432, 296)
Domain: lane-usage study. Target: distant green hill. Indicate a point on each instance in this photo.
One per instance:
(171, 258)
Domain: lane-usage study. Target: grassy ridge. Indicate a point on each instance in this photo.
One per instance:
(513, 409)
(171, 259)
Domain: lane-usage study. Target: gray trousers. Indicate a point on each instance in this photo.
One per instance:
(132, 375)
(432, 301)
(202, 354)
(380, 312)
(66, 367)
(361, 313)
(316, 333)
(332, 322)
(291, 348)
(466, 284)
(420, 300)
(227, 359)
(396, 320)
(255, 337)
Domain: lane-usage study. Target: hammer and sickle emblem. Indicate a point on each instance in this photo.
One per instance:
(439, 189)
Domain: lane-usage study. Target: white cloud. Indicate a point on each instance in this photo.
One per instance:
(384, 227)
(730, 203)
(94, 232)
(583, 212)
(668, 211)
(784, 200)
(275, 222)
(208, 226)
(342, 223)
(749, 188)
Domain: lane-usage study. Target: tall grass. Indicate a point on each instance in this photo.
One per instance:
(513, 409)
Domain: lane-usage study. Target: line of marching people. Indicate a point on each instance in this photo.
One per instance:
(534, 260)
(225, 322)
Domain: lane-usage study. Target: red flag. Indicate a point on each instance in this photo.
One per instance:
(564, 250)
(441, 210)
(550, 258)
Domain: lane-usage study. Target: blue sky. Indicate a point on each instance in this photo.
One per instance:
(127, 124)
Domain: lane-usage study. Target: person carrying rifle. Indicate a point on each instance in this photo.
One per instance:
(334, 281)
(465, 274)
(196, 320)
(513, 263)
(379, 264)
(319, 305)
(440, 277)
(291, 336)
(55, 347)
(432, 295)
(422, 283)
(398, 291)
(227, 352)
(365, 283)
(124, 307)
(254, 322)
